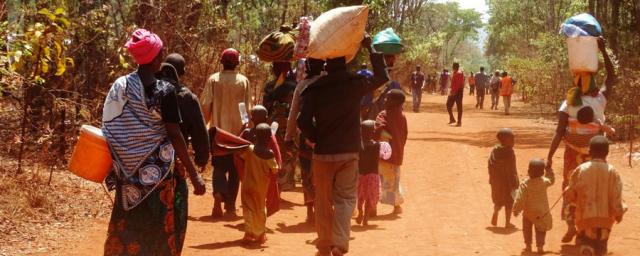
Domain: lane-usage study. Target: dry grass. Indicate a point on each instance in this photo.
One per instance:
(36, 216)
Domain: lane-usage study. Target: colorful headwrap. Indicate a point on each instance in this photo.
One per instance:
(230, 56)
(584, 83)
(143, 46)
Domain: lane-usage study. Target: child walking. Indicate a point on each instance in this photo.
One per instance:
(259, 166)
(595, 188)
(532, 201)
(369, 179)
(259, 115)
(391, 127)
(503, 176)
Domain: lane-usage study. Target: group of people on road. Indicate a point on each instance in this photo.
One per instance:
(591, 187)
(150, 117)
(322, 123)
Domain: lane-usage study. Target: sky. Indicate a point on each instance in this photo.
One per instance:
(481, 7)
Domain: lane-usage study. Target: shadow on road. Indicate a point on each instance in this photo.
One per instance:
(228, 244)
(302, 227)
(502, 231)
(526, 138)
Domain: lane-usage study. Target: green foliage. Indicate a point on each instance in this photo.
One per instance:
(35, 53)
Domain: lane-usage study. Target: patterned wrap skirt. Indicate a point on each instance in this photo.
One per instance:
(369, 189)
(392, 193)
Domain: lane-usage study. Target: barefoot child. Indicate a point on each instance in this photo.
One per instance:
(259, 165)
(533, 202)
(369, 179)
(503, 176)
(595, 188)
(391, 127)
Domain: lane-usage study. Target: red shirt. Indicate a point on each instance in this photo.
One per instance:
(457, 82)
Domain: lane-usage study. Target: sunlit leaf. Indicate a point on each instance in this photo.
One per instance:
(58, 49)
(70, 61)
(60, 68)
(47, 52)
(64, 21)
(39, 80)
(59, 11)
(44, 67)
(47, 13)
(123, 62)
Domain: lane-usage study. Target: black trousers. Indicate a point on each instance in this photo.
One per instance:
(455, 99)
(597, 243)
(527, 230)
(480, 98)
(225, 180)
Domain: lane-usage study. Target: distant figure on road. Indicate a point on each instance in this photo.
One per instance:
(494, 89)
(472, 84)
(482, 82)
(417, 82)
(456, 94)
(444, 81)
(506, 90)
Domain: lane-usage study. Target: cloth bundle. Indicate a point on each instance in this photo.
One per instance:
(278, 46)
(583, 83)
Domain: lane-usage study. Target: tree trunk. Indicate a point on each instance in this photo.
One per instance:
(592, 7)
(637, 16)
(285, 6)
(615, 23)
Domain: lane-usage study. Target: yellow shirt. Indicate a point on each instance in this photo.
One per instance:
(255, 184)
(220, 98)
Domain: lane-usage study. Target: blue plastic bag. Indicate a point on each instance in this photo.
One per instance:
(580, 24)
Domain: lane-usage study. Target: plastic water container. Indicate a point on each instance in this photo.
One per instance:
(583, 54)
(91, 158)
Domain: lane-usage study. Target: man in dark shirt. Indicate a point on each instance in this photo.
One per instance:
(330, 118)
(191, 120)
(417, 82)
(482, 82)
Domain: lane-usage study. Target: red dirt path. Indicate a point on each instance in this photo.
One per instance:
(447, 207)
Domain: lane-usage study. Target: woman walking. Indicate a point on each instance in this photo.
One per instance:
(140, 122)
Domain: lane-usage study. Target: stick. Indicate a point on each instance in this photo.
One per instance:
(106, 191)
(553, 206)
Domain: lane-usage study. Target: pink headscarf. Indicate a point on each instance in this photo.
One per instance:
(144, 46)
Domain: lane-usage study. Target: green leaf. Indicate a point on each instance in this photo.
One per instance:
(58, 49)
(60, 11)
(47, 53)
(123, 62)
(47, 13)
(39, 80)
(64, 21)
(44, 67)
(60, 68)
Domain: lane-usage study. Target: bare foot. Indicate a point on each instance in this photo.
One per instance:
(494, 219)
(359, 218)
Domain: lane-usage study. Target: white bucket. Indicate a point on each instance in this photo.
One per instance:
(583, 53)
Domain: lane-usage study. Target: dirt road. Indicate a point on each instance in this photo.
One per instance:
(447, 207)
